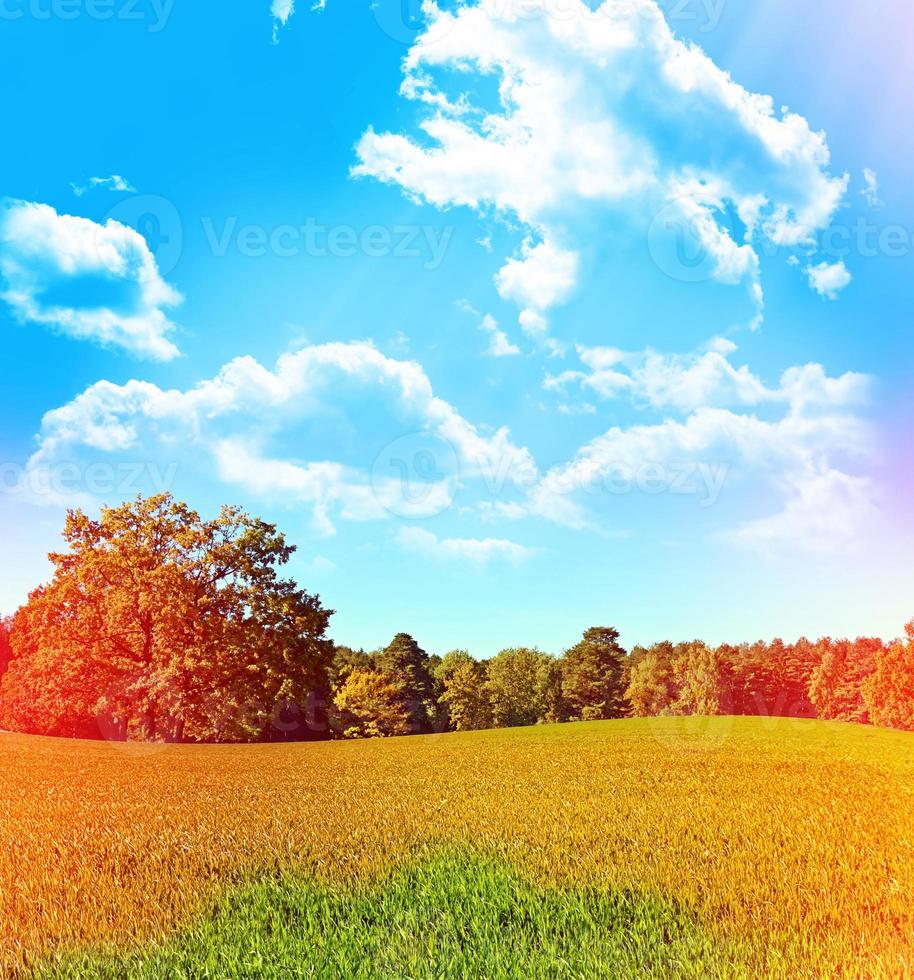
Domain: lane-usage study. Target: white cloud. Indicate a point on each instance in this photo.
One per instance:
(798, 440)
(799, 443)
(600, 110)
(714, 449)
(826, 510)
(871, 188)
(281, 11)
(50, 262)
(687, 382)
(499, 345)
(237, 420)
(475, 550)
(828, 279)
(113, 183)
(543, 276)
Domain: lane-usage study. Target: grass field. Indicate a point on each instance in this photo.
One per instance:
(731, 847)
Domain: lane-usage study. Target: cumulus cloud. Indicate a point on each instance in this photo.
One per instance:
(113, 183)
(539, 278)
(240, 420)
(712, 450)
(799, 443)
(90, 281)
(600, 110)
(801, 439)
(478, 551)
(687, 382)
(828, 279)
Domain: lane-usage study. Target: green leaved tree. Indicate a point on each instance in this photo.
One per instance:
(406, 663)
(593, 676)
(515, 687)
(464, 695)
(651, 686)
(700, 681)
(371, 705)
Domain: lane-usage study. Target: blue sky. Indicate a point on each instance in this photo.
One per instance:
(518, 318)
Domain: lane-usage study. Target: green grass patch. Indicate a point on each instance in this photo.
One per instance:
(450, 916)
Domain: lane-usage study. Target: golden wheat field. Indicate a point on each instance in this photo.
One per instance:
(792, 840)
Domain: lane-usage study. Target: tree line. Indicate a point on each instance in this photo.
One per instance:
(160, 625)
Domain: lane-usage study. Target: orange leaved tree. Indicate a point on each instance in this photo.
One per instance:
(159, 625)
(889, 690)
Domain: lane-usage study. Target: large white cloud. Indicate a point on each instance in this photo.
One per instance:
(600, 109)
(90, 281)
(801, 443)
(239, 421)
(804, 439)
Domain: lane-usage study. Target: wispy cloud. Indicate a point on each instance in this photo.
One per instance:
(871, 188)
(479, 551)
(113, 183)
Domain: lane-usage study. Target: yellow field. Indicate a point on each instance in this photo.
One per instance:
(782, 834)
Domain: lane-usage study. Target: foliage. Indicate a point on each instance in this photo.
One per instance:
(372, 705)
(345, 661)
(554, 709)
(889, 690)
(651, 686)
(593, 684)
(408, 664)
(465, 695)
(515, 687)
(736, 821)
(773, 678)
(836, 685)
(5, 649)
(699, 681)
(159, 625)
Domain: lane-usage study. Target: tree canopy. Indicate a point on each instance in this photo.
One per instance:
(160, 625)
(593, 679)
(889, 690)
